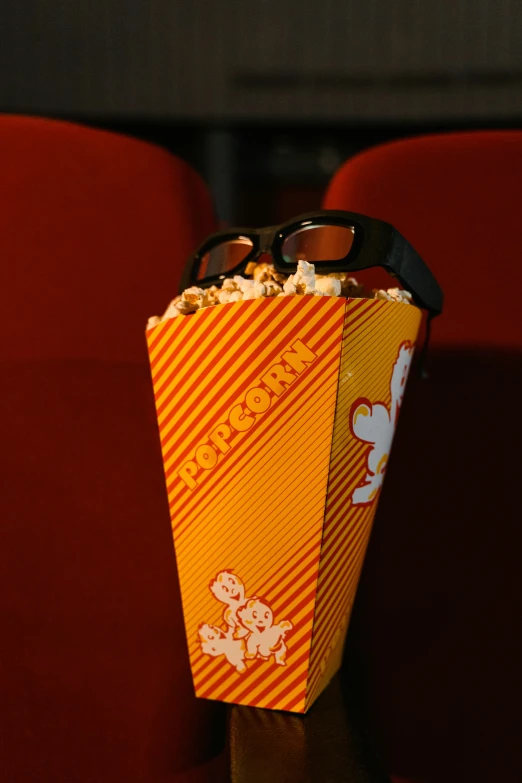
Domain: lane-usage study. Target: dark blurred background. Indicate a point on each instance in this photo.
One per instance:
(265, 97)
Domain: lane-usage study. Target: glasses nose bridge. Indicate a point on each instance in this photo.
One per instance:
(264, 255)
(264, 250)
(266, 240)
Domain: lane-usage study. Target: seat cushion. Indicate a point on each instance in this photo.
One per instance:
(95, 680)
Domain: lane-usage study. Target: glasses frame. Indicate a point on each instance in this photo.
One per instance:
(375, 243)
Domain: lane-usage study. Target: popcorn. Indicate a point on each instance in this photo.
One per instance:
(184, 307)
(190, 300)
(213, 295)
(229, 284)
(289, 289)
(303, 282)
(250, 289)
(278, 277)
(172, 309)
(230, 291)
(242, 283)
(225, 296)
(259, 290)
(265, 281)
(251, 267)
(264, 272)
(272, 288)
(380, 294)
(400, 295)
(393, 295)
(328, 286)
(194, 296)
(251, 293)
(304, 278)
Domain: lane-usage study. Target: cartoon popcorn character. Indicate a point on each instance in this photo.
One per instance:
(230, 590)
(250, 630)
(214, 641)
(264, 638)
(375, 424)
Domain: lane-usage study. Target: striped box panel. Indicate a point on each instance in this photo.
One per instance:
(245, 397)
(378, 340)
(254, 403)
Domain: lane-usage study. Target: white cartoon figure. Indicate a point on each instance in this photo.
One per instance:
(214, 641)
(375, 424)
(228, 588)
(264, 639)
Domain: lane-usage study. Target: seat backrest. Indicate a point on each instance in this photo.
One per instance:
(456, 197)
(95, 680)
(435, 637)
(94, 230)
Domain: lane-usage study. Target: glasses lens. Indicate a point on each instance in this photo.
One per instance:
(318, 244)
(224, 257)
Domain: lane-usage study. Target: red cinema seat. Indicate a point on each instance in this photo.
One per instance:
(435, 641)
(95, 229)
(94, 681)
(457, 199)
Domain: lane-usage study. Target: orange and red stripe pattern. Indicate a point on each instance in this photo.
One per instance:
(372, 336)
(259, 511)
(247, 486)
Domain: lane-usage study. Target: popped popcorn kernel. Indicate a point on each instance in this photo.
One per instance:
(229, 284)
(213, 295)
(272, 288)
(172, 309)
(263, 272)
(196, 296)
(381, 294)
(225, 295)
(184, 307)
(250, 289)
(259, 289)
(279, 277)
(254, 292)
(399, 295)
(289, 289)
(328, 286)
(245, 287)
(154, 320)
(393, 295)
(251, 267)
(304, 278)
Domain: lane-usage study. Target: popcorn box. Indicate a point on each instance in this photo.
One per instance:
(276, 418)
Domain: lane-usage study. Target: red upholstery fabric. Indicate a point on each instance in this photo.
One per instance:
(96, 684)
(94, 230)
(94, 677)
(456, 197)
(436, 638)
